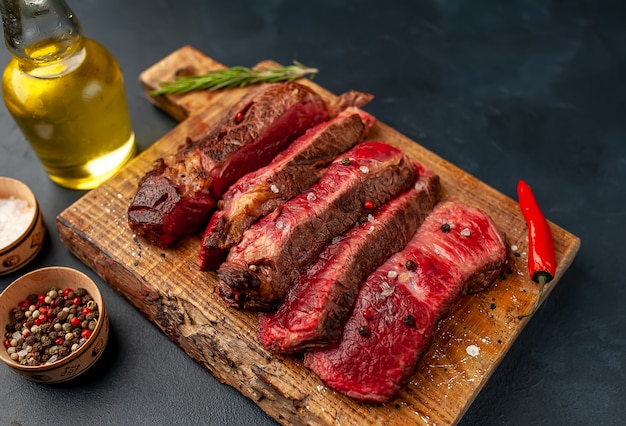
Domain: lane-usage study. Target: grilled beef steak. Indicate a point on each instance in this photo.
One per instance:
(178, 195)
(458, 249)
(316, 306)
(289, 174)
(273, 250)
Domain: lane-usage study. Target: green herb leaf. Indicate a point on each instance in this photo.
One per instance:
(234, 77)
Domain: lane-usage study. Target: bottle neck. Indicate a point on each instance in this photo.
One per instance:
(40, 33)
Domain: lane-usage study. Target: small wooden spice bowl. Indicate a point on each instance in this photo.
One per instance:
(25, 246)
(78, 361)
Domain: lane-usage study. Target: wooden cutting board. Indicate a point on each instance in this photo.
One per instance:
(167, 287)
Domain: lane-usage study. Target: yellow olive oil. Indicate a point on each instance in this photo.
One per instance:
(72, 110)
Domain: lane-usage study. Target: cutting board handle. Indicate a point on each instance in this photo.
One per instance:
(184, 61)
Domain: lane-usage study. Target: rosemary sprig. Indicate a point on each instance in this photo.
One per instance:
(234, 77)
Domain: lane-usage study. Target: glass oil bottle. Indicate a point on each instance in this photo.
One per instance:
(66, 94)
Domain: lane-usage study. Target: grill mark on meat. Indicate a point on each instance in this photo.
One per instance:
(289, 174)
(315, 307)
(176, 198)
(277, 246)
(401, 303)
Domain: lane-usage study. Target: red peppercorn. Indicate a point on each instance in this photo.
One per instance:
(59, 341)
(53, 303)
(368, 205)
(25, 334)
(36, 321)
(67, 291)
(7, 343)
(86, 333)
(239, 117)
(77, 300)
(367, 314)
(41, 297)
(75, 321)
(86, 311)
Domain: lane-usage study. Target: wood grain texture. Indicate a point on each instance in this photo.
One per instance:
(168, 288)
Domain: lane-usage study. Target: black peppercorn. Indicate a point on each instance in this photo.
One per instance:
(410, 265)
(409, 320)
(364, 330)
(445, 228)
(345, 161)
(18, 315)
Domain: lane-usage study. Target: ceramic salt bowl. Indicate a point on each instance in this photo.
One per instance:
(24, 246)
(78, 361)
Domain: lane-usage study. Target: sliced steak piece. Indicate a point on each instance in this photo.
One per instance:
(258, 271)
(178, 195)
(293, 171)
(457, 250)
(316, 306)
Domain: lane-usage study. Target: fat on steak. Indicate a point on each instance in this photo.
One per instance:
(177, 196)
(458, 249)
(316, 306)
(260, 269)
(293, 171)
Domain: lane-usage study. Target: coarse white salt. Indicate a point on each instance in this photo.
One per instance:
(386, 289)
(370, 217)
(274, 189)
(15, 216)
(364, 169)
(336, 239)
(465, 232)
(392, 274)
(514, 247)
(472, 350)
(311, 196)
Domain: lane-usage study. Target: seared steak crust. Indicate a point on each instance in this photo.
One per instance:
(292, 172)
(259, 270)
(177, 196)
(316, 306)
(457, 249)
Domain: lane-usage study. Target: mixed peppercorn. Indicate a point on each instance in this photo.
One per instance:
(47, 327)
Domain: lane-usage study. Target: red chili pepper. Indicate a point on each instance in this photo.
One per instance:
(541, 255)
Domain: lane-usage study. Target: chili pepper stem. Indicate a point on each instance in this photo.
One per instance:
(542, 280)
